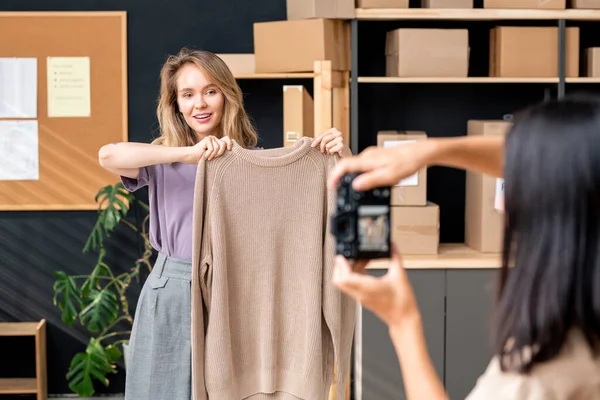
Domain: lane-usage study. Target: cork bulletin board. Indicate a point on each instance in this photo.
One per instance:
(63, 94)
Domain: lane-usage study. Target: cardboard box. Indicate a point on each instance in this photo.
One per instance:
(517, 51)
(526, 4)
(298, 114)
(382, 3)
(294, 46)
(592, 62)
(447, 3)
(306, 9)
(484, 224)
(427, 53)
(416, 230)
(411, 191)
(239, 63)
(586, 4)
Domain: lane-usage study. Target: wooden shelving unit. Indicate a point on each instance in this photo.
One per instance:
(37, 385)
(475, 14)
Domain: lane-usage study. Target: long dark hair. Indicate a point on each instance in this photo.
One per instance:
(552, 233)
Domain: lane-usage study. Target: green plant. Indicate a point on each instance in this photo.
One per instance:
(98, 300)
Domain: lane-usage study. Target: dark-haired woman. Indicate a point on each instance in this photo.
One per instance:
(546, 329)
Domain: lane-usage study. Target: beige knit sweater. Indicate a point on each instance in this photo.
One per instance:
(266, 321)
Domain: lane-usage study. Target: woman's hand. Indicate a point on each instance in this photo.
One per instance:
(390, 297)
(209, 147)
(379, 166)
(332, 142)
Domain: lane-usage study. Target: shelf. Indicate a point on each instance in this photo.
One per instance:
(451, 256)
(19, 328)
(475, 14)
(37, 385)
(18, 386)
(290, 75)
(392, 79)
(583, 80)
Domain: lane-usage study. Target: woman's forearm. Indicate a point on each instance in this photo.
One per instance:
(116, 156)
(483, 154)
(419, 375)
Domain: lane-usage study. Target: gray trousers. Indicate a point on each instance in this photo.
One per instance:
(159, 359)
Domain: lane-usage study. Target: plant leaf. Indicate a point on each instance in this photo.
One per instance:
(94, 363)
(101, 311)
(67, 297)
(113, 354)
(113, 204)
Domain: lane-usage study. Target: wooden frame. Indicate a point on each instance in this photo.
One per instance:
(39, 384)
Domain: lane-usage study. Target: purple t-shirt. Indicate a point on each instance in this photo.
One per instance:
(171, 198)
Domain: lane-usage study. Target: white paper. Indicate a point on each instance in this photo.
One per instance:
(412, 180)
(18, 87)
(69, 93)
(499, 198)
(19, 155)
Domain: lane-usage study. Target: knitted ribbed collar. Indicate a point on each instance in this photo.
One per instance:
(274, 157)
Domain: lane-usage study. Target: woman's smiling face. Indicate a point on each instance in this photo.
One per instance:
(199, 101)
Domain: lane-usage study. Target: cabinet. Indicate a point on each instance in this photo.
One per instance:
(376, 369)
(455, 292)
(470, 295)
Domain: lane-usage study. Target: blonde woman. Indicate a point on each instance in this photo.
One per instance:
(200, 111)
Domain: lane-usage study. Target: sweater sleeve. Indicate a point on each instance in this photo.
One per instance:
(339, 309)
(197, 335)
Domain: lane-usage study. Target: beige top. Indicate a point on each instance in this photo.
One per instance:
(573, 375)
(262, 263)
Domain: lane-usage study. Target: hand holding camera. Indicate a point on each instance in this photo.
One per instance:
(361, 221)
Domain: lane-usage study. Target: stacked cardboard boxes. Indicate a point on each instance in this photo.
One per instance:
(484, 218)
(415, 224)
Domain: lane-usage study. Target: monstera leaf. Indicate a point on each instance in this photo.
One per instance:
(95, 363)
(67, 297)
(113, 204)
(101, 311)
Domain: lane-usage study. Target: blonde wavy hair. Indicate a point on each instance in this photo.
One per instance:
(174, 131)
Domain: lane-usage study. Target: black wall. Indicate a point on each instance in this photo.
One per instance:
(35, 244)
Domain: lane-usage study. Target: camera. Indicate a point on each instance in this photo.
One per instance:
(361, 221)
